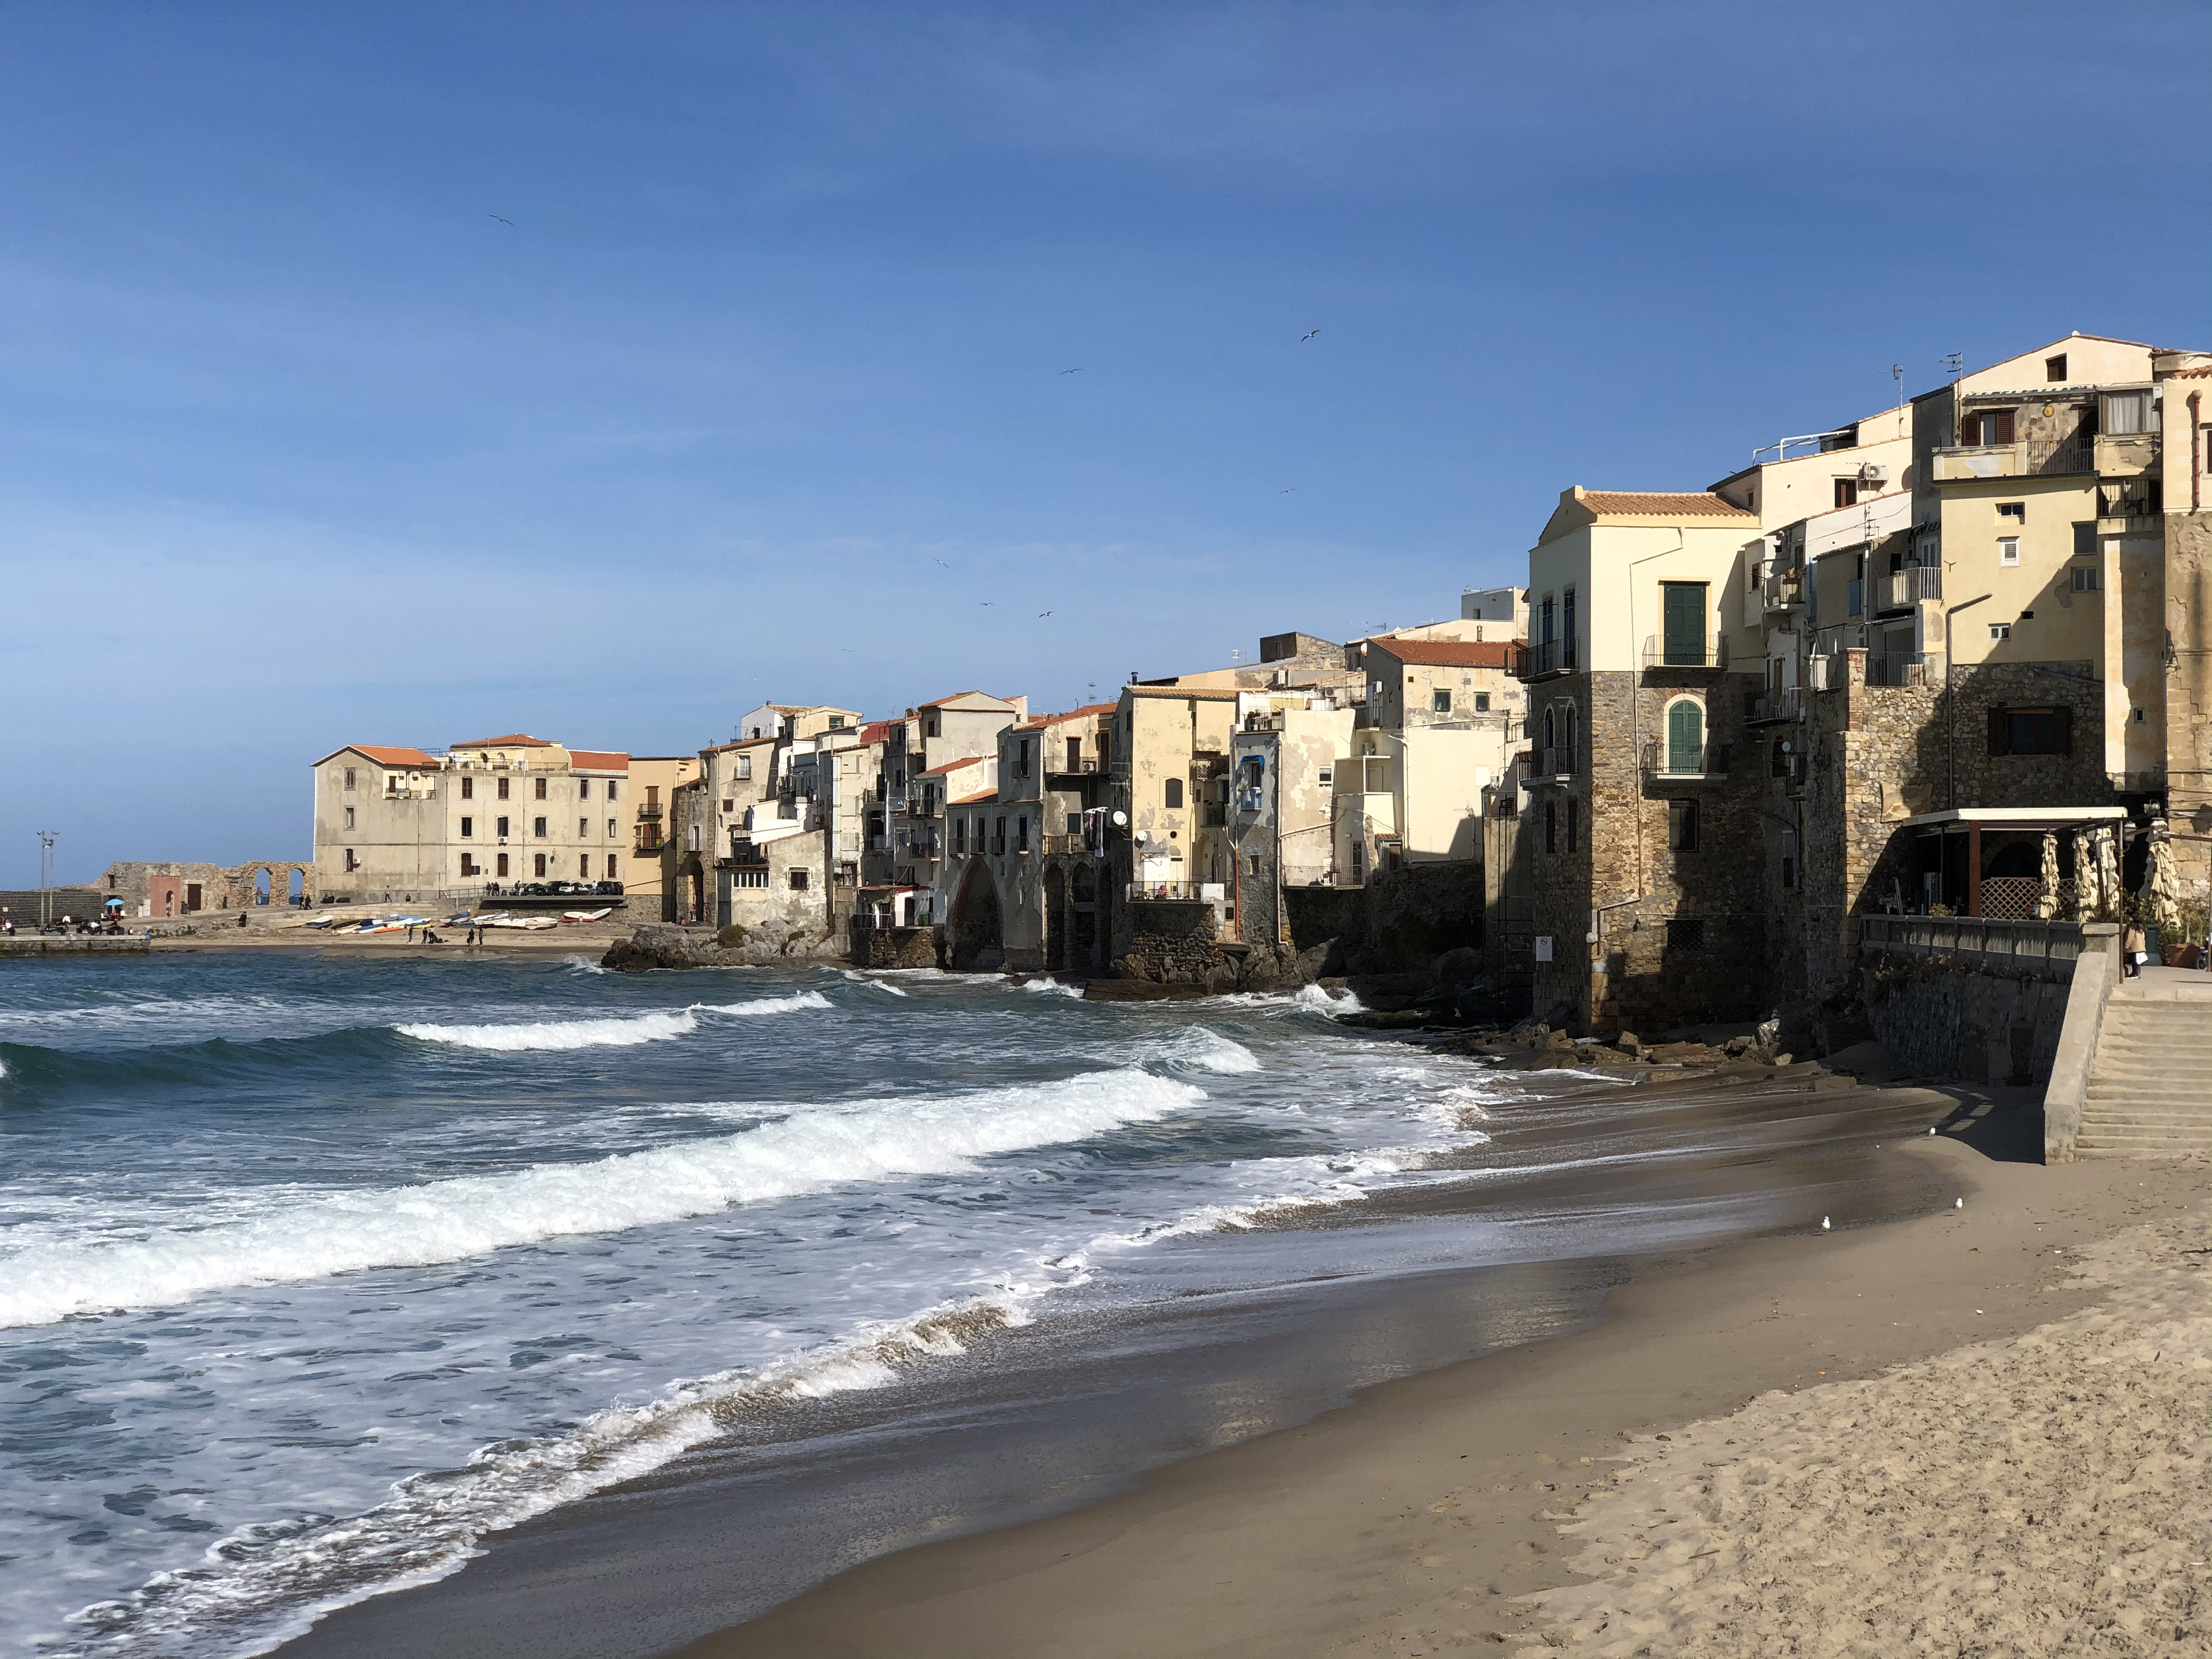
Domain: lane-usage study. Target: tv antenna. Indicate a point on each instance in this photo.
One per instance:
(1897, 374)
(1955, 361)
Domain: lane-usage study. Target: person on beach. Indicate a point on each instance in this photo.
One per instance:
(2132, 954)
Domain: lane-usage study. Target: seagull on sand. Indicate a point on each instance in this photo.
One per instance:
(1302, 338)
(1824, 1224)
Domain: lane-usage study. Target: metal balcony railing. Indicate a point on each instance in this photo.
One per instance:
(1559, 761)
(1064, 767)
(2131, 498)
(1685, 653)
(1783, 590)
(1675, 763)
(1901, 589)
(1547, 657)
(1164, 891)
(649, 814)
(1904, 668)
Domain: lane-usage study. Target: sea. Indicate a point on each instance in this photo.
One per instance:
(319, 1273)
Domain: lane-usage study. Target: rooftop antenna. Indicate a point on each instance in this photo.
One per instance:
(1897, 374)
(1955, 361)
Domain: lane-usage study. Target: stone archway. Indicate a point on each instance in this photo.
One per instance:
(976, 931)
(1056, 919)
(1083, 917)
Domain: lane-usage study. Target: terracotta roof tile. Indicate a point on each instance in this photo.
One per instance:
(1450, 654)
(1662, 503)
(513, 740)
(970, 800)
(386, 757)
(598, 760)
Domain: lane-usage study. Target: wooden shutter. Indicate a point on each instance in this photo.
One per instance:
(1684, 623)
(1686, 738)
(2004, 419)
(2000, 731)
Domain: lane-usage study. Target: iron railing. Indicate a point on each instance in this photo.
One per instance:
(1902, 588)
(2042, 949)
(1904, 668)
(1141, 892)
(1682, 654)
(1674, 761)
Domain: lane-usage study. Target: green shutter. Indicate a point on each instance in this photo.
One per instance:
(1686, 738)
(1685, 624)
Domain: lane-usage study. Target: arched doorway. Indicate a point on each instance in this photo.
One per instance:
(264, 881)
(1056, 919)
(295, 886)
(976, 932)
(1083, 905)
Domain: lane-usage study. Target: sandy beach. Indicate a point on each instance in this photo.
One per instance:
(1824, 1486)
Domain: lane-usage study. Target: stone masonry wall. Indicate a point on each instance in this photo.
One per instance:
(1978, 1028)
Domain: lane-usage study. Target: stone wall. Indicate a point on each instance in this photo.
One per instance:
(1400, 922)
(1942, 1021)
(1171, 942)
(895, 947)
(2189, 693)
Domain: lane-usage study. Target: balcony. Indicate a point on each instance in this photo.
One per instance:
(1085, 766)
(649, 815)
(1557, 761)
(1066, 846)
(1784, 591)
(1685, 653)
(922, 806)
(1980, 461)
(2126, 454)
(1664, 763)
(1546, 657)
(1174, 892)
(1901, 669)
(1213, 816)
(649, 840)
(1777, 704)
(2141, 497)
(1900, 590)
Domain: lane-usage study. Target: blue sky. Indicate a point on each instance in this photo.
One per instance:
(760, 392)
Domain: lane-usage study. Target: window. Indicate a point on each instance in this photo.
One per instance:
(1788, 871)
(1545, 636)
(1175, 792)
(583, 866)
(610, 866)
(583, 789)
(503, 864)
(501, 790)
(1847, 492)
(352, 863)
(1574, 824)
(2127, 412)
(468, 787)
(583, 827)
(2031, 731)
(1685, 736)
(998, 840)
(2085, 540)
(2085, 578)
(745, 766)
(540, 791)
(1328, 777)
(798, 881)
(349, 778)
(348, 823)
(2054, 369)
(1986, 427)
(960, 833)
(1022, 832)
(538, 863)
(2016, 511)
(613, 789)
(2007, 549)
(1022, 758)
(1686, 933)
(933, 728)
(538, 828)
(1999, 631)
(1682, 825)
(1075, 823)
(1440, 702)
(749, 878)
(468, 863)
(1252, 864)
(502, 829)
(1683, 610)
(613, 828)
(468, 828)
(1551, 827)
(836, 722)
(1567, 629)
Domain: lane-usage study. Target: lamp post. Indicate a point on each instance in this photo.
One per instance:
(45, 873)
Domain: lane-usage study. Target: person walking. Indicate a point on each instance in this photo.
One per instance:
(2133, 955)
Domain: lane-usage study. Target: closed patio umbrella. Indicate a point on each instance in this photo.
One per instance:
(2046, 903)
(2088, 907)
(2161, 892)
(2108, 873)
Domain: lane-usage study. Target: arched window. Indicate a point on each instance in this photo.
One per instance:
(1551, 739)
(1175, 792)
(1570, 736)
(1685, 736)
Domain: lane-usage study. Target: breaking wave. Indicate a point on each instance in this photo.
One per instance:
(616, 1031)
(1197, 1049)
(453, 1220)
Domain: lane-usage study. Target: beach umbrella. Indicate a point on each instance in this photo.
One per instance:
(2046, 905)
(2108, 873)
(2087, 906)
(2162, 893)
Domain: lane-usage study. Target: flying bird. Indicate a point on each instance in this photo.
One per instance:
(502, 219)
(987, 604)
(1070, 371)
(941, 562)
(1044, 613)
(1302, 338)
(1292, 490)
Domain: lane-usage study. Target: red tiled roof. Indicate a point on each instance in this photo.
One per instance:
(384, 756)
(598, 760)
(876, 732)
(1204, 694)
(970, 800)
(1088, 711)
(1662, 503)
(1450, 654)
(511, 740)
(939, 702)
(955, 765)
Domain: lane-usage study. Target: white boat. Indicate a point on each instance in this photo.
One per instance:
(586, 916)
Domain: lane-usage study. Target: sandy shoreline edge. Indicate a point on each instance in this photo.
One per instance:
(1423, 1516)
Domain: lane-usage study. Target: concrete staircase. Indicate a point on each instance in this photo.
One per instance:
(2150, 1084)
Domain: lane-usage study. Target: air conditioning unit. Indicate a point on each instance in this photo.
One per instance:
(1872, 472)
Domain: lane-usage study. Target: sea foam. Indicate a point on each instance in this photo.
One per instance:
(453, 1220)
(613, 1031)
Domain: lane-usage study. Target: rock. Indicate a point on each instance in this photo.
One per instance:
(662, 945)
(1459, 968)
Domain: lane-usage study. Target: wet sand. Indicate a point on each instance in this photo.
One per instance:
(1417, 1519)
(1385, 1521)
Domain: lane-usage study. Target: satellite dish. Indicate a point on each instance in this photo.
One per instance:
(1120, 819)
(1142, 838)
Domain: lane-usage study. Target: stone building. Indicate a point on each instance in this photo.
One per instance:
(139, 887)
(400, 823)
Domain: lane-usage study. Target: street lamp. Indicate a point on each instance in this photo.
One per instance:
(45, 874)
